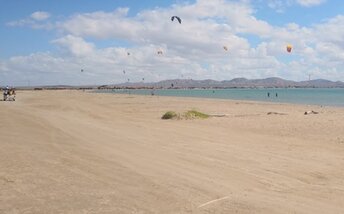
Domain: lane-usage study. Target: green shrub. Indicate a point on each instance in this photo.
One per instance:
(169, 115)
(193, 114)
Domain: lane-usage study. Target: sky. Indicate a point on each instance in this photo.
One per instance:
(79, 42)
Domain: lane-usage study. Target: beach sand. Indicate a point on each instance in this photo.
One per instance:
(79, 152)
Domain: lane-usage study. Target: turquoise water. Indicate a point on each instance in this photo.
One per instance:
(312, 96)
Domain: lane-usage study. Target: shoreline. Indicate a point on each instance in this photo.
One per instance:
(268, 100)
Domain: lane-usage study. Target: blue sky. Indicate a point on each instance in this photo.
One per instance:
(24, 41)
(47, 42)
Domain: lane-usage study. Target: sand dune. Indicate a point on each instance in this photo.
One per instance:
(79, 152)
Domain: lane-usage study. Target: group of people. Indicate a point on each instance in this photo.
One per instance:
(9, 94)
(269, 94)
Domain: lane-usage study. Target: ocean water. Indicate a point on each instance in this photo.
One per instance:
(311, 96)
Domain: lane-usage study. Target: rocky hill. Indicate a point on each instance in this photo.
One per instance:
(272, 82)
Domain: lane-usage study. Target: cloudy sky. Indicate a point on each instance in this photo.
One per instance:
(44, 42)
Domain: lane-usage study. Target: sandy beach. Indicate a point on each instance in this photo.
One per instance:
(80, 152)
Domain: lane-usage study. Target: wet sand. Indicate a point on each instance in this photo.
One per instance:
(79, 152)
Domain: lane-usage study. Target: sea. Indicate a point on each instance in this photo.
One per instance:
(309, 96)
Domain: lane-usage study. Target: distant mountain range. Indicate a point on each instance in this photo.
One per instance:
(272, 82)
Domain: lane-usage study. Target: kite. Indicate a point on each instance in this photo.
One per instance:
(176, 17)
(289, 47)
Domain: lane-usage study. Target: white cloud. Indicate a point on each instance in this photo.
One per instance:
(331, 31)
(281, 5)
(102, 25)
(40, 15)
(207, 25)
(75, 45)
(37, 20)
(309, 3)
(193, 49)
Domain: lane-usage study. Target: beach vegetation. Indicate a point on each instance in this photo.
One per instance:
(189, 115)
(169, 115)
(193, 114)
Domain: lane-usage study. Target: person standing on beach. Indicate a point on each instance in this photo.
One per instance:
(268, 94)
(6, 92)
(276, 95)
